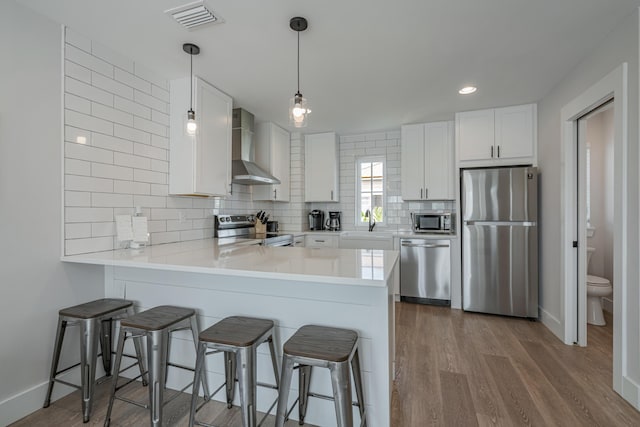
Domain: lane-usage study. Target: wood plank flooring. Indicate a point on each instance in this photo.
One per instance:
(464, 369)
(452, 369)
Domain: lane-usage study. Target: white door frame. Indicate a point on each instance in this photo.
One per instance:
(613, 85)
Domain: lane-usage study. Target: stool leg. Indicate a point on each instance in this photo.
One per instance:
(304, 380)
(114, 379)
(202, 349)
(106, 332)
(357, 378)
(341, 383)
(274, 361)
(195, 331)
(283, 392)
(229, 376)
(246, 367)
(89, 337)
(137, 344)
(157, 359)
(62, 326)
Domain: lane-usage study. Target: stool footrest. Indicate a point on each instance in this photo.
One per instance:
(67, 383)
(133, 402)
(176, 365)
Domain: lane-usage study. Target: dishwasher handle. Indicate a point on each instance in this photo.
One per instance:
(429, 245)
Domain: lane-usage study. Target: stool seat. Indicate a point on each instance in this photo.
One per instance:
(97, 308)
(321, 342)
(236, 331)
(158, 318)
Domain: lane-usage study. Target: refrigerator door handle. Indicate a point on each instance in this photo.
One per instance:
(497, 223)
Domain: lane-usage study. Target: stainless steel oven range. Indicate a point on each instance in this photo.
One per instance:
(241, 227)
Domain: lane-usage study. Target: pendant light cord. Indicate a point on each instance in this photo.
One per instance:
(298, 61)
(191, 81)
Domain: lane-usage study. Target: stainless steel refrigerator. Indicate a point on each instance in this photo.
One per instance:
(500, 241)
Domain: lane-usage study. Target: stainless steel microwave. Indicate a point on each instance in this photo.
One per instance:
(433, 222)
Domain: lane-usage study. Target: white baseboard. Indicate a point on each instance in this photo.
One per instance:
(22, 404)
(552, 323)
(631, 392)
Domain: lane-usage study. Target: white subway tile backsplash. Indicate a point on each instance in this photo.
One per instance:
(150, 76)
(150, 151)
(156, 226)
(167, 237)
(111, 200)
(149, 126)
(110, 114)
(160, 118)
(84, 121)
(159, 190)
(76, 39)
(173, 225)
(122, 159)
(192, 235)
(151, 177)
(150, 201)
(77, 198)
(131, 187)
(72, 134)
(77, 72)
(86, 152)
(102, 229)
(159, 166)
(76, 214)
(150, 101)
(81, 246)
(101, 170)
(77, 230)
(133, 81)
(112, 86)
(131, 134)
(132, 107)
(87, 91)
(164, 214)
(87, 60)
(160, 93)
(77, 167)
(81, 105)
(182, 203)
(109, 55)
(112, 143)
(160, 142)
(86, 183)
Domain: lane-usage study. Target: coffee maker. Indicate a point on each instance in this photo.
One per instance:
(316, 220)
(333, 223)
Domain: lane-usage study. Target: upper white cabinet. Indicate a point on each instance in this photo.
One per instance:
(273, 153)
(427, 171)
(499, 136)
(321, 167)
(200, 164)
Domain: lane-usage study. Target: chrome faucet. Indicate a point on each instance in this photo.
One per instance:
(368, 215)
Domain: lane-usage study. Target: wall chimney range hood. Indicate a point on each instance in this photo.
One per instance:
(243, 168)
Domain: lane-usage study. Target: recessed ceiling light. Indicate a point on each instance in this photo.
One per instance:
(467, 90)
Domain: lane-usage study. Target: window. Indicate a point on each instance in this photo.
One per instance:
(370, 181)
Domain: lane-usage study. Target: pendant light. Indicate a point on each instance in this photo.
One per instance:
(191, 49)
(298, 106)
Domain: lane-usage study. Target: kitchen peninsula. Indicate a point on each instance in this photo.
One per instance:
(344, 288)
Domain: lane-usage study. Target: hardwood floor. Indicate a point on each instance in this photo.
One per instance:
(452, 369)
(455, 368)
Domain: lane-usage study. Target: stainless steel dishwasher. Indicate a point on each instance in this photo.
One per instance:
(425, 271)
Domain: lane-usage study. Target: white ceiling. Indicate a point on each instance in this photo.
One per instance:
(365, 64)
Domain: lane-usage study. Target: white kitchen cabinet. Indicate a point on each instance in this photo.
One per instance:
(495, 137)
(321, 241)
(273, 153)
(427, 161)
(200, 164)
(321, 167)
(298, 241)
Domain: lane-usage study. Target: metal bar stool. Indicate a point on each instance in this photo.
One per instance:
(239, 338)
(323, 347)
(156, 325)
(95, 319)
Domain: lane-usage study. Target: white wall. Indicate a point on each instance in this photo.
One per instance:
(620, 46)
(35, 284)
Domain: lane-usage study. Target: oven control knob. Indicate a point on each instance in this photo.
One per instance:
(250, 218)
(222, 219)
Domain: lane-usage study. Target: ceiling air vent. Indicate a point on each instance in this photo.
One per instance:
(193, 15)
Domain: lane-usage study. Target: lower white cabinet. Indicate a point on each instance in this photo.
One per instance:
(321, 241)
(298, 241)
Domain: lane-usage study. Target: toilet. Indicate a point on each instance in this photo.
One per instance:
(597, 287)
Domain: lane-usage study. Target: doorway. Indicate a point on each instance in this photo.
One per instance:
(612, 88)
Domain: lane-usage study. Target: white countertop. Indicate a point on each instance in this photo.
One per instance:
(334, 266)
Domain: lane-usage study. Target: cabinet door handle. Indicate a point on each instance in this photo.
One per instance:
(492, 151)
(498, 151)
(426, 193)
(421, 193)
(275, 194)
(331, 194)
(319, 241)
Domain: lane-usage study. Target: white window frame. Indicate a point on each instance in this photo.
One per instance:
(358, 201)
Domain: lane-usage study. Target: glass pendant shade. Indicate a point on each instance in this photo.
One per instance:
(192, 126)
(298, 111)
